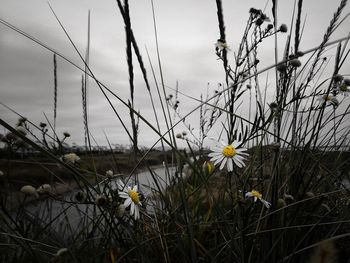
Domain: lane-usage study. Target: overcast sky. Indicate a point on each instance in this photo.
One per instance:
(187, 31)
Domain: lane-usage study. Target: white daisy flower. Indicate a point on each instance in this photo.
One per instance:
(227, 154)
(70, 158)
(221, 45)
(330, 99)
(257, 196)
(132, 197)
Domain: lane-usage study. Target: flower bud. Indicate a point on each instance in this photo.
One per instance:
(295, 63)
(44, 189)
(283, 28)
(61, 252)
(29, 190)
(281, 67)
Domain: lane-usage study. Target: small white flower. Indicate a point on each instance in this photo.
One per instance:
(1, 173)
(132, 198)
(109, 173)
(221, 45)
(227, 154)
(29, 190)
(329, 99)
(257, 196)
(44, 189)
(70, 158)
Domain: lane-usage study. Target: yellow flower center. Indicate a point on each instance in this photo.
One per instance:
(327, 98)
(229, 151)
(256, 194)
(134, 196)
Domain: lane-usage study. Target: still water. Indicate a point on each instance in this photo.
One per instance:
(65, 216)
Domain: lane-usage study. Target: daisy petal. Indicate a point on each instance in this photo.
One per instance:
(238, 163)
(248, 194)
(137, 213)
(213, 154)
(219, 160)
(123, 195)
(229, 165)
(127, 202)
(132, 209)
(223, 163)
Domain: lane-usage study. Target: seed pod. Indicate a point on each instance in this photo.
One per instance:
(281, 67)
(283, 28)
(295, 63)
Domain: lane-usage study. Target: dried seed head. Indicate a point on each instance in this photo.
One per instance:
(42, 124)
(299, 54)
(101, 200)
(249, 86)
(254, 11)
(338, 77)
(66, 134)
(179, 135)
(80, 196)
(347, 82)
(269, 26)
(273, 106)
(281, 67)
(259, 21)
(295, 63)
(263, 17)
(283, 28)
